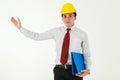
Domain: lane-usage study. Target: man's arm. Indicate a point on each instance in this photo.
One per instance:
(33, 35)
(86, 53)
(38, 36)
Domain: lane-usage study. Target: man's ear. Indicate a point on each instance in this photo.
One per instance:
(75, 17)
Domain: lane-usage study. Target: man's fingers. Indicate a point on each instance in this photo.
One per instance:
(13, 20)
(84, 73)
(19, 20)
(81, 75)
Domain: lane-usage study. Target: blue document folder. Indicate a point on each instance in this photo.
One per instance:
(77, 63)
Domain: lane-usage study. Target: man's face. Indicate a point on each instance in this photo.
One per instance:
(69, 19)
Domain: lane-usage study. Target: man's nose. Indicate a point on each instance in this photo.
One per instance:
(67, 18)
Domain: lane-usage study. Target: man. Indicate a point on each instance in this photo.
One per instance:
(68, 39)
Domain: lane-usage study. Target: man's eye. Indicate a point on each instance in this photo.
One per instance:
(64, 16)
(70, 16)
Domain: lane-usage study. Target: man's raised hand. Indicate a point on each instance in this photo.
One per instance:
(17, 23)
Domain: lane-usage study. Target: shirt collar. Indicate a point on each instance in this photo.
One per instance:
(72, 28)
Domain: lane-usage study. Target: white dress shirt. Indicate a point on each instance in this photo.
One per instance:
(78, 41)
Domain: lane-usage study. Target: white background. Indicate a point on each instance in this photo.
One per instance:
(24, 59)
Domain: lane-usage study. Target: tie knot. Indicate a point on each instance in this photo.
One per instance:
(68, 29)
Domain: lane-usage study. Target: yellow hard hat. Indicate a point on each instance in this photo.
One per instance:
(68, 8)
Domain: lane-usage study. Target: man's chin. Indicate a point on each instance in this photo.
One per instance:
(69, 25)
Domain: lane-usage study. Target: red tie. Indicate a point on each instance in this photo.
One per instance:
(65, 48)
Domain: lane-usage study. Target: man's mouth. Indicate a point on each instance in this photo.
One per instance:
(67, 22)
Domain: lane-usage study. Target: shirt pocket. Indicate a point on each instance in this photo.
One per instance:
(76, 44)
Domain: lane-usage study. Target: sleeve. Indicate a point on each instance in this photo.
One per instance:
(38, 36)
(86, 52)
